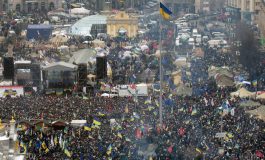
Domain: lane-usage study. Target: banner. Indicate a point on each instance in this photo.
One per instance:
(12, 91)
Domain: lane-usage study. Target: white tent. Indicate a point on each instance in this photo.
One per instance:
(80, 11)
(78, 123)
(144, 47)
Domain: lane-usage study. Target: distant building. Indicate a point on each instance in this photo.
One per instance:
(122, 23)
(250, 11)
(246, 9)
(260, 17)
(202, 6)
(29, 6)
(179, 6)
(99, 5)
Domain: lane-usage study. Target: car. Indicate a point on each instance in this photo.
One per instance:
(191, 41)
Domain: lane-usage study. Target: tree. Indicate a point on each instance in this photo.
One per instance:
(216, 4)
(249, 54)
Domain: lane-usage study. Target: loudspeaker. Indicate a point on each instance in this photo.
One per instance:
(101, 68)
(82, 73)
(8, 63)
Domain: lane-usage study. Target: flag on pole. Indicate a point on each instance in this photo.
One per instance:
(87, 128)
(164, 11)
(96, 122)
(255, 82)
(109, 150)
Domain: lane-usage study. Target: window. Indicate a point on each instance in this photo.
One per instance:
(18, 8)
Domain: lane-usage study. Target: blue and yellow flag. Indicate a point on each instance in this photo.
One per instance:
(255, 83)
(164, 11)
(96, 122)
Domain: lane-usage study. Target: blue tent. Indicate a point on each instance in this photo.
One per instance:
(39, 31)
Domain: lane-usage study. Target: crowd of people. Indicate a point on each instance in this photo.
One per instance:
(190, 125)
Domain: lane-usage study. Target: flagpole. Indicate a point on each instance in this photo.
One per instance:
(160, 72)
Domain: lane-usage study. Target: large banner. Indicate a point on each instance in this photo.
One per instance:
(12, 91)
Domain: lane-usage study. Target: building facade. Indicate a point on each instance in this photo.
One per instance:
(99, 5)
(260, 17)
(122, 23)
(179, 6)
(251, 11)
(246, 8)
(202, 6)
(30, 6)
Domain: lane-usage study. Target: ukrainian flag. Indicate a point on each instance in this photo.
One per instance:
(255, 83)
(87, 128)
(96, 122)
(164, 11)
(109, 150)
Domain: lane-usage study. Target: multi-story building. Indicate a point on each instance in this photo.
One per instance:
(260, 16)
(98, 5)
(178, 6)
(246, 8)
(202, 6)
(251, 11)
(29, 6)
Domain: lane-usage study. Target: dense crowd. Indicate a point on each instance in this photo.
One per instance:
(189, 129)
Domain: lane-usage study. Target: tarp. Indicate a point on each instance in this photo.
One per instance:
(80, 11)
(261, 96)
(259, 112)
(39, 31)
(243, 93)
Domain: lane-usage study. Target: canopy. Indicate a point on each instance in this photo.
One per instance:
(249, 104)
(259, 112)
(144, 47)
(243, 93)
(261, 96)
(80, 11)
(59, 39)
(184, 90)
(98, 43)
(78, 122)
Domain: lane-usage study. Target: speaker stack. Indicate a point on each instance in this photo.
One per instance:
(82, 73)
(101, 68)
(8, 64)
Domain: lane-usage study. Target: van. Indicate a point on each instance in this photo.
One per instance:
(191, 42)
(177, 41)
(198, 39)
(194, 31)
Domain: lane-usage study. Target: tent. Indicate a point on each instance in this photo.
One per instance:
(78, 123)
(98, 43)
(259, 112)
(37, 31)
(243, 93)
(249, 104)
(220, 70)
(261, 96)
(183, 90)
(80, 11)
(59, 39)
(223, 80)
(144, 47)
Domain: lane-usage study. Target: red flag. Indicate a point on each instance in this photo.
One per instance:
(133, 86)
(259, 154)
(170, 149)
(138, 133)
(181, 131)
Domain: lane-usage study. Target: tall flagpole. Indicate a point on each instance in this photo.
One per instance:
(160, 71)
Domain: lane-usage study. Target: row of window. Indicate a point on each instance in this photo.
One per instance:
(31, 6)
